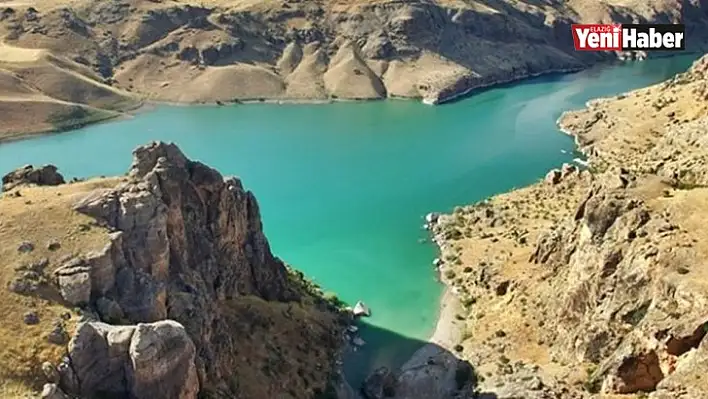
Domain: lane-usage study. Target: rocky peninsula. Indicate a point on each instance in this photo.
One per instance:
(591, 283)
(68, 63)
(157, 284)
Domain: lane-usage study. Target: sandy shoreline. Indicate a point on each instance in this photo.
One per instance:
(447, 334)
(448, 331)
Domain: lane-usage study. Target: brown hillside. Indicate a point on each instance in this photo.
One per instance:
(225, 50)
(594, 283)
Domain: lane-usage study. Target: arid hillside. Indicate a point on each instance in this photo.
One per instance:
(590, 283)
(69, 62)
(594, 283)
(158, 284)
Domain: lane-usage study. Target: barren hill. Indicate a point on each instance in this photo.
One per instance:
(594, 283)
(75, 61)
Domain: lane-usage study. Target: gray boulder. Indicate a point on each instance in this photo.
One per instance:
(74, 282)
(380, 384)
(432, 373)
(153, 360)
(52, 391)
(46, 175)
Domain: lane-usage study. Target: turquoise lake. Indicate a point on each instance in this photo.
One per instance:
(344, 187)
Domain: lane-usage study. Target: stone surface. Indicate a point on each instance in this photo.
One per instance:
(26, 282)
(432, 373)
(553, 177)
(53, 245)
(167, 202)
(154, 360)
(379, 385)
(50, 373)
(109, 310)
(52, 391)
(75, 287)
(31, 318)
(43, 176)
(25, 247)
(361, 310)
(440, 375)
(162, 357)
(58, 335)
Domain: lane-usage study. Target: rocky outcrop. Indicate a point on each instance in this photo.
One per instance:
(154, 360)
(46, 175)
(379, 384)
(186, 297)
(432, 373)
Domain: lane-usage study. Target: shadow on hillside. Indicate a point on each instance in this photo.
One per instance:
(507, 32)
(385, 348)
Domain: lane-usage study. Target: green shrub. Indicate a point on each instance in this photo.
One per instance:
(332, 298)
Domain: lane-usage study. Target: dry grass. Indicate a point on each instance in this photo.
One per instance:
(279, 349)
(39, 215)
(40, 92)
(523, 313)
(634, 123)
(687, 208)
(485, 252)
(526, 213)
(19, 55)
(22, 117)
(16, 390)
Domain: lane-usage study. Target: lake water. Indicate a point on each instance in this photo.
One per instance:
(344, 187)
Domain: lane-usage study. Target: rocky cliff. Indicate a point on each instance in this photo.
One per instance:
(65, 63)
(181, 295)
(592, 283)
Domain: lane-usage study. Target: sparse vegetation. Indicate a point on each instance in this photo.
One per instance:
(56, 231)
(333, 299)
(23, 347)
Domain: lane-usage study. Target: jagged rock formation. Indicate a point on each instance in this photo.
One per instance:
(98, 55)
(182, 295)
(592, 284)
(46, 175)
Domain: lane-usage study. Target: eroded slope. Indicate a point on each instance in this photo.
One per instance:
(226, 50)
(594, 283)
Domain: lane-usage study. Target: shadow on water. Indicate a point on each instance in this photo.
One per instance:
(386, 348)
(383, 348)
